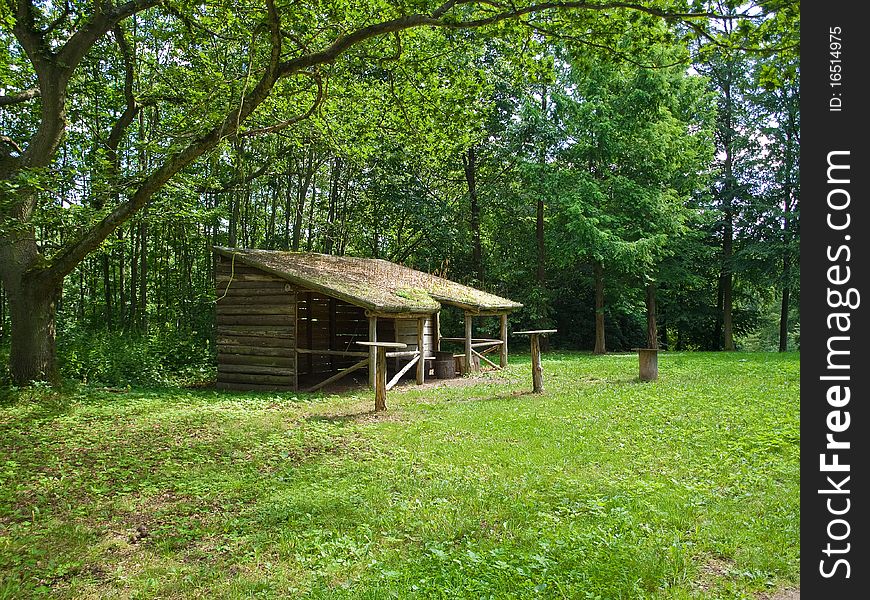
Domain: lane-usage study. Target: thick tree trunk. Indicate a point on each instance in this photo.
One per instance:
(783, 312)
(32, 301)
(728, 287)
(469, 163)
(600, 347)
(652, 336)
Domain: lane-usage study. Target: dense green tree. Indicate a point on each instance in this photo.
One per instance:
(135, 135)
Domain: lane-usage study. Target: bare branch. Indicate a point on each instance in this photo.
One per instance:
(10, 142)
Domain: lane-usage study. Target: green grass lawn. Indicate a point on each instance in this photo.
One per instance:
(602, 487)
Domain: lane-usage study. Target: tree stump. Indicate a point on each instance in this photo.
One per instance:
(649, 363)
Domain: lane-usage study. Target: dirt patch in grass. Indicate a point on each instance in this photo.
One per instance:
(786, 594)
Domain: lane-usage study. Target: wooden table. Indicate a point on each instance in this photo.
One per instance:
(537, 369)
(381, 370)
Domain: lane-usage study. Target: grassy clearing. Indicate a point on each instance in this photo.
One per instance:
(602, 487)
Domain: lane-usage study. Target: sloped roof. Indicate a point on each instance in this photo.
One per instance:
(372, 283)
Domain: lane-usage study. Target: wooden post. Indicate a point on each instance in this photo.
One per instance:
(437, 330)
(380, 349)
(421, 347)
(537, 369)
(503, 358)
(468, 365)
(373, 354)
(381, 384)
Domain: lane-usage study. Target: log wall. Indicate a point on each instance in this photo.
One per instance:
(256, 329)
(262, 320)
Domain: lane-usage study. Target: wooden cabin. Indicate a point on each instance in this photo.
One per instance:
(291, 320)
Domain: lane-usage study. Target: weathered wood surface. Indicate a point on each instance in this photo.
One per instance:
(265, 370)
(503, 334)
(381, 381)
(256, 329)
(648, 362)
(402, 371)
(254, 350)
(537, 368)
(243, 340)
(286, 319)
(248, 300)
(373, 353)
(251, 359)
(252, 288)
(421, 346)
(260, 331)
(330, 352)
(253, 387)
(468, 363)
(257, 378)
(485, 359)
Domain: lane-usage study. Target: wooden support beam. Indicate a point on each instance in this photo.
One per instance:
(437, 330)
(503, 357)
(381, 370)
(402, 354)
(468, 365)
(331, 352)
(537, 369)
(363, 363)
(414, 361)
(373, 352)
(485, 359)
(485, 343)
(421, 347)
(381, 381)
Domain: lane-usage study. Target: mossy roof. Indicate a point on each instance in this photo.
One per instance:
(371, 283)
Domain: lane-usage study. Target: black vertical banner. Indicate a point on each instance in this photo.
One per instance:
(835, 300)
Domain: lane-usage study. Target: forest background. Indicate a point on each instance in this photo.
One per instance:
(598, 162)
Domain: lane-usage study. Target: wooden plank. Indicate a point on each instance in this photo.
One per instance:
(363, 363)
(257, 378)
(255, 350)
(251, 359)
(273, 342)
(283, 331)
(326, 352)
(255, 319)
(256, 369)
(404, 370)
(245, 277)
(485, 359)
(245, 300)
(255, 309)
(252, 387)
(240, 288)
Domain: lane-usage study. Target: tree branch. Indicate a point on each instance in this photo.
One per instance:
(294, 120)
(69, 257)
(19, 97)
